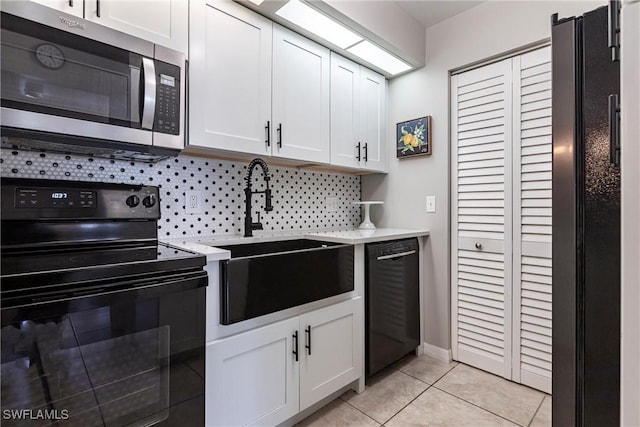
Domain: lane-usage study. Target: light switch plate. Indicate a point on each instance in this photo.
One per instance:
(331, 204)
(431, 204)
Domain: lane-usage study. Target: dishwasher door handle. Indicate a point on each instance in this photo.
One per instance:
(398, 255)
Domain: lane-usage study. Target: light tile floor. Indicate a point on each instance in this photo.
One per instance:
(422, 391)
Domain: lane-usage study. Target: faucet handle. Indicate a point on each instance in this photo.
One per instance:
(257, 225)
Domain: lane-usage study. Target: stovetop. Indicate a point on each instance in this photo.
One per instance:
(50, 268)
(53, 259)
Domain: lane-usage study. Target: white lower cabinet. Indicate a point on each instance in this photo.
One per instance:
(267, 375)
(252, 378)
(332, 352)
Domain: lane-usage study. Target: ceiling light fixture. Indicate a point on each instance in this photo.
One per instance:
(378, 57)
(256, 2)
(311, 20)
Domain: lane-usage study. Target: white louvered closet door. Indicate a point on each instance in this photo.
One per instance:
(532, 219)
(481, 240)
(501, 218)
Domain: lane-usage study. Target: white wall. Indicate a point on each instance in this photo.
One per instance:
(491, 29)
(630, 292)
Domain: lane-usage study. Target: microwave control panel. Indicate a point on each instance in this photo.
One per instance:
(167, 118)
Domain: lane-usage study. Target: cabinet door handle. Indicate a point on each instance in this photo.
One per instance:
(70, 3)
(307, 332)
(295, 345)
(358, 147)
(98, 8)
(279, 135)
(268, 129)
(366, 151)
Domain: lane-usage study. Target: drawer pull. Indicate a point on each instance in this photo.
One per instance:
(479, 246)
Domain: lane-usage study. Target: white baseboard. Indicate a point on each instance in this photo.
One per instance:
(437, 353)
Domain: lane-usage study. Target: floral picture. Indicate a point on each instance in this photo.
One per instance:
(414, 137)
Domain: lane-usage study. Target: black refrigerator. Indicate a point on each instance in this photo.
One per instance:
(586, 222)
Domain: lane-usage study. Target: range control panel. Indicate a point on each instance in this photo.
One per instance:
(47, 199)
(60, 198)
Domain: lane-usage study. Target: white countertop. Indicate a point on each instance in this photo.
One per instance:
(212, 253)
(208, 244)
(357, 236)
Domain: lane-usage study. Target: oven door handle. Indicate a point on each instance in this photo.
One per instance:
(149, 94)
(103, 294)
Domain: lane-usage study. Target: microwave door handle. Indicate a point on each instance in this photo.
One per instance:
(149, 94)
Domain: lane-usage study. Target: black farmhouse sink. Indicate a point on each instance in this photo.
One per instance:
(262, 278)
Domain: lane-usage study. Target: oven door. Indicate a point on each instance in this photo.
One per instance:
(131, 357)
(59, 82)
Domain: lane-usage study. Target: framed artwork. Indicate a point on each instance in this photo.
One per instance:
(413, 137)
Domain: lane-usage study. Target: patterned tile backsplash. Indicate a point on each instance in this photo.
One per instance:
(298, 195)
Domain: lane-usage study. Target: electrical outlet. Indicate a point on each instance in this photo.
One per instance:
(193, 202)
(331, 204)
(431, 204)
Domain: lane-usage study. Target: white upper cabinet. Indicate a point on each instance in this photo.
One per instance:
(346, 147)
(257, 88)
(72, 7)
(358, 102)
(373, 120)
(230, 82)
(300, 97)
(165, 22)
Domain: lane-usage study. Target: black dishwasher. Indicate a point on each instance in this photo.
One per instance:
(392, 302)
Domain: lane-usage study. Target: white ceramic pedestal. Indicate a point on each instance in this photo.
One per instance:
(366, 223)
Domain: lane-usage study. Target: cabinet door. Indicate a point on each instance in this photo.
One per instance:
(372, 120)
(300, 97)
(346, 147)
(72, 7)
(230, 86)
(331, 349)
(165, 22)
(252, 378)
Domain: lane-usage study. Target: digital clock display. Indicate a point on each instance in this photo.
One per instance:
(59, 198)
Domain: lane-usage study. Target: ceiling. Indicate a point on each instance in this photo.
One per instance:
(428, 12)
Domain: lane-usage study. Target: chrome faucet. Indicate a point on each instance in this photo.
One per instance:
(249, 225)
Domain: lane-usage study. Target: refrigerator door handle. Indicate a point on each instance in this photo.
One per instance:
(614, 29)
(614, 129)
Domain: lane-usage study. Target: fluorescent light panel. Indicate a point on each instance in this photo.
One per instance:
(378, 57)
(311, 20)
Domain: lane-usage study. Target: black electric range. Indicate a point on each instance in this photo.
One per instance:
(101, 324)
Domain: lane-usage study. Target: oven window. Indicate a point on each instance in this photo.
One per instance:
(124, 364)
(49, 71)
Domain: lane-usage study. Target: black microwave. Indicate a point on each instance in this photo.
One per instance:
(76, 86)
